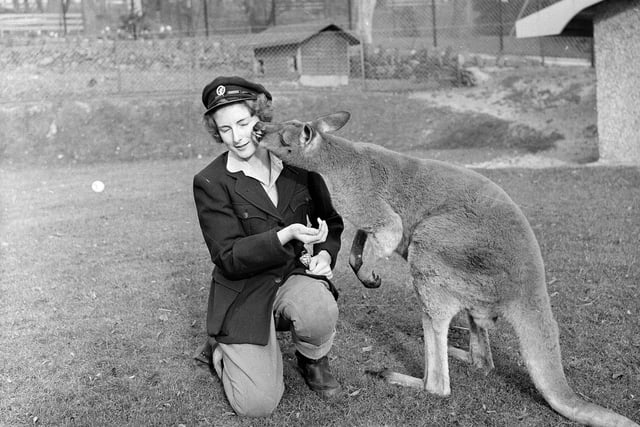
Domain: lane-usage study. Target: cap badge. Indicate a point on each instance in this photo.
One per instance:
(221, 90)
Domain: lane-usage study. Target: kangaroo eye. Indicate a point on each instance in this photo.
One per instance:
(306, 134)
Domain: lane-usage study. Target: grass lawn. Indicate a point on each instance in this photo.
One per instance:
(102, 303)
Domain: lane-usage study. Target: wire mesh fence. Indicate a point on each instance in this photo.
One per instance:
(416, 44)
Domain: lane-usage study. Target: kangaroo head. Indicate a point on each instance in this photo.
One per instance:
(298, 142)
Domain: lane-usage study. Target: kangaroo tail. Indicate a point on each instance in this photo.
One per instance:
(539, 344)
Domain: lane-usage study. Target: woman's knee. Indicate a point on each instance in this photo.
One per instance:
(317, 316)
(255, 405)
(253, 400)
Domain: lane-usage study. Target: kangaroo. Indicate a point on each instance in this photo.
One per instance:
(468, 245)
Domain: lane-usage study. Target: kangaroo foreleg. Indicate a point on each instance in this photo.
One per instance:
(370, 247)
(355, 257)
(365, 259)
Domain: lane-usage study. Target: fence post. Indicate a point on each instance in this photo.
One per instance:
(206, 18)
(195, 70)
(541, 42)
(64, 17)
(501, 26)
(273, 12)
(433, 23)
(362, 67)
(117, 64)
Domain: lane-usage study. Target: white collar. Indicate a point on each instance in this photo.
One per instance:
(236, 165)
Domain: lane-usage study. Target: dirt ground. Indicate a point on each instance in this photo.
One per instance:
(526, 115)
(560, 99)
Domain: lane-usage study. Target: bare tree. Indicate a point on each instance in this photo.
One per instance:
(364, 20)
(261, 14)
(89, 17)
(53, 6)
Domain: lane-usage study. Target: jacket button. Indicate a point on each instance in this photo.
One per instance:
(278, 281)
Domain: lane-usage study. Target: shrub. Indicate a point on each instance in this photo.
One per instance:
(420, 65)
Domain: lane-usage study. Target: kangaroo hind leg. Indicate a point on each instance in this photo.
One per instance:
(436, 358)
(436, 363)
(438, 309)
(479, 346)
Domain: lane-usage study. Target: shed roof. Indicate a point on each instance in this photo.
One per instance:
(282, 35)
(566, 17)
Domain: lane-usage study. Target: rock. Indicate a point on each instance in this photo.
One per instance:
(48, 60)
(479, 76)
(53, 130)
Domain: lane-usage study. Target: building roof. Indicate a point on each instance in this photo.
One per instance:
(566, 17)
(294, 34)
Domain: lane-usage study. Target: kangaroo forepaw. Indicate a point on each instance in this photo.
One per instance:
(374, 281)
(355, 262)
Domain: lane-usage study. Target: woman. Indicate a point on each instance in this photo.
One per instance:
(254, 212)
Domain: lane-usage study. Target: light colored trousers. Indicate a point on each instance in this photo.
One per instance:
(252, 375)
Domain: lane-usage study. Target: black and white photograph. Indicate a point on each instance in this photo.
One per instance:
(359, 213)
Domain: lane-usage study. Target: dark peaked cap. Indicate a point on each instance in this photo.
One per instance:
(226, 90)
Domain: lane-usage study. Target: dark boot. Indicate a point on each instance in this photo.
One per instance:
(206, 356)
(317, 375)
(203, 353)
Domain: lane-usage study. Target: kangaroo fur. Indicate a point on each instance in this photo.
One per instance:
(468, 245)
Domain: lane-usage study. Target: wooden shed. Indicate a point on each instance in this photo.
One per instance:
(315, 54)
(614, 25)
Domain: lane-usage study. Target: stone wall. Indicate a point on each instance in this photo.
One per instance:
(617, 53)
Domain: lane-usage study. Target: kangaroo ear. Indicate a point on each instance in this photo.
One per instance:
(332, 122)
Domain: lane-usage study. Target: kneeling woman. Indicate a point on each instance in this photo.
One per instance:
(254, 212)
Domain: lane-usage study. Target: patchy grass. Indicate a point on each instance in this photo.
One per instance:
(102, 295)
(102, 302)
(411, 124)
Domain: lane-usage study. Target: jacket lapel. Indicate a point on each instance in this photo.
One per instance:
(251, 190)
(286, 185)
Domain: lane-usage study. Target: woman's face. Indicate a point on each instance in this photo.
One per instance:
(235, 125)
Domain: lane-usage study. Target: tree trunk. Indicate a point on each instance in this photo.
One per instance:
(53, 6)
(260, 14)
(364, 20)
(89, 17)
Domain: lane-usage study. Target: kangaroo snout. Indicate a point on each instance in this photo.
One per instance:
(275, 132)
(261, 129)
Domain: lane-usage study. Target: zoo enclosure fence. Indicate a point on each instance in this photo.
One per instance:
(416, 44)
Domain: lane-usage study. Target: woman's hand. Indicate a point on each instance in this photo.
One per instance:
(306, 235)
(320, 265)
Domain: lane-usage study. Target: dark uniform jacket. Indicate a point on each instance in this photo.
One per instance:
(239, 224)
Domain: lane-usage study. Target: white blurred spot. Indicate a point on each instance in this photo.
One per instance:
(97, 186)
